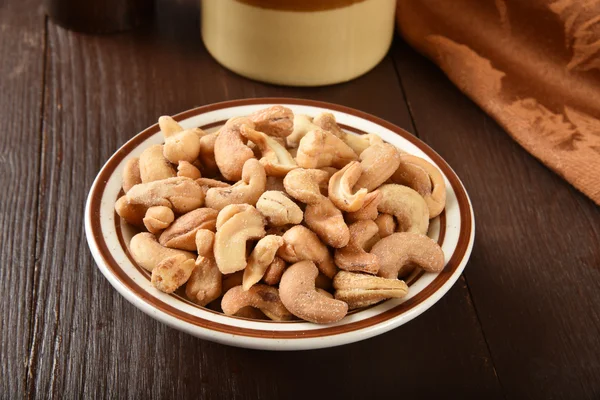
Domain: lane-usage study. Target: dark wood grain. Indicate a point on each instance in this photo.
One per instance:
(21, 75)
(535, 269)
(101, 90)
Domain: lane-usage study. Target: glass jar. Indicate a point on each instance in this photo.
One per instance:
(298, 42)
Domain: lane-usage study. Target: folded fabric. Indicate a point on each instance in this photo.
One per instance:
(533, 65)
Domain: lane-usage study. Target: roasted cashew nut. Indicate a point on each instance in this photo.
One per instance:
(260, 259)
(246, 191)
(278, 209)
(158, 218)
(436, 198)
(148, 253)
(386, 225)
(276, 121)
(378, 164)
(413, 176)
(154, 166)
(131, 174)
(179, 194)
(172, 272)
(358, 143)
(231, 152)
(353, 257)
(304, 184)
(368, 209)
(205, 283)
(275, 157)
(207, 154)
(398, 251)
(274, 271)
(327, 221)
(408, 206)
(299, 295)
(188, 170)
(300, 243)
(320, 149)
(133, 214)
(360, 290)
(180, 144)
(182, 233)
(265, 298)
(233, 231)
(302, 125)
(340, 188)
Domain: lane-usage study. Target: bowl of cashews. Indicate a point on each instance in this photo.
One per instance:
(279, 224)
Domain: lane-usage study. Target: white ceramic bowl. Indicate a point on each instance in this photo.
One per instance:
(108, 237)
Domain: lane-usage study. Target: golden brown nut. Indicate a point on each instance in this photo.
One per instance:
(182, 233)
(304, 184)
(179, 194)
(302, 125)
(246, 191)
(327, 222)
(172, 272)
(409, 208)
(386, 225)
(265, 298)
(320, 149)
(378, 164)
(277, 121)
(158, 218)
(413, 176)
(205, 283)
(340, 188)
(232, 280)
(436, 198)
(275, 157)
(299, 295)
(368, 209)
(274, 271)
(300, 243)
(358, 143)
(180, 144)
(154, 166)
(131, 174)
(207, 154)
(400, 250)
(188, 170)
(278, 209)
(261, 257)
(231, 152)
(133, 214)
(353, 257)
(148, 253)
(327, 122)
(359, 290)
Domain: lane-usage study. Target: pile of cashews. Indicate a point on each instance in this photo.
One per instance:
(281, 216)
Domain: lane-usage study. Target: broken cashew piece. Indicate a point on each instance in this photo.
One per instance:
(400, 251)
(205, 283)
(320, 149)
(172, 272)
(276, 121)
(154, 166)
(368, 209)
(275, 157)
(302, 125)
(386, 225)
(436, 198)
(327, 221)
(278, 209)
(378, 163)
(148, 253)
(304, 184)
(408, 206)
(182, 233)
(353, 257)
(299, 295)
(359, 290)
(246, 191)
(188, 170)
(180, 194)
(340, 188)
(265, 298)
(180, 144)
(274, 271)
(261, 257)
(300, 243)
(158, 218)
(233, 231)
(231, 152)
(131, 174)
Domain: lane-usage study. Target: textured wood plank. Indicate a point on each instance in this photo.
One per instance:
(101, 91)
(21, 55)
(535, 269)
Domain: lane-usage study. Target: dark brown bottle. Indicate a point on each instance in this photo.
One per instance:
(99, 16)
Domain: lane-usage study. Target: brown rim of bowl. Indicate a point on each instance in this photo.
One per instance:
(443, 276)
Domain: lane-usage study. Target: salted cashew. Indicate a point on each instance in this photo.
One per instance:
(260, 259)
(133, 214)
(277, 121)
(180, 194)
(182, 233)
(232, 280)
(386, 225)
(368, 209)
(360, 290)
(154, 166)
(246, 191)
(188, 170)
(300, 243)
(299, 295)
(274, 156)
(413, 176)
(358, 143)
(278, 209)
(233, 231)
(409, 208)
(172, 272)
(205, 283)
(304, 184)
(274, 271)
(207, 154)
(265, 298)
(378, 164)
(180, 144)
(353, 257)
(231, 152)
(436, 199)
(158, 218)
(398, 251)
(340, 188)
(148, 253)
(327, 221)
(207, 183)
(302, 125)
(131, 174)
(320, 148)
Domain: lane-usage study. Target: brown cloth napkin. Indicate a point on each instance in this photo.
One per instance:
(533, 65)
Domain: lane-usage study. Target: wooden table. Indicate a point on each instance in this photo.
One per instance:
(522, 322)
